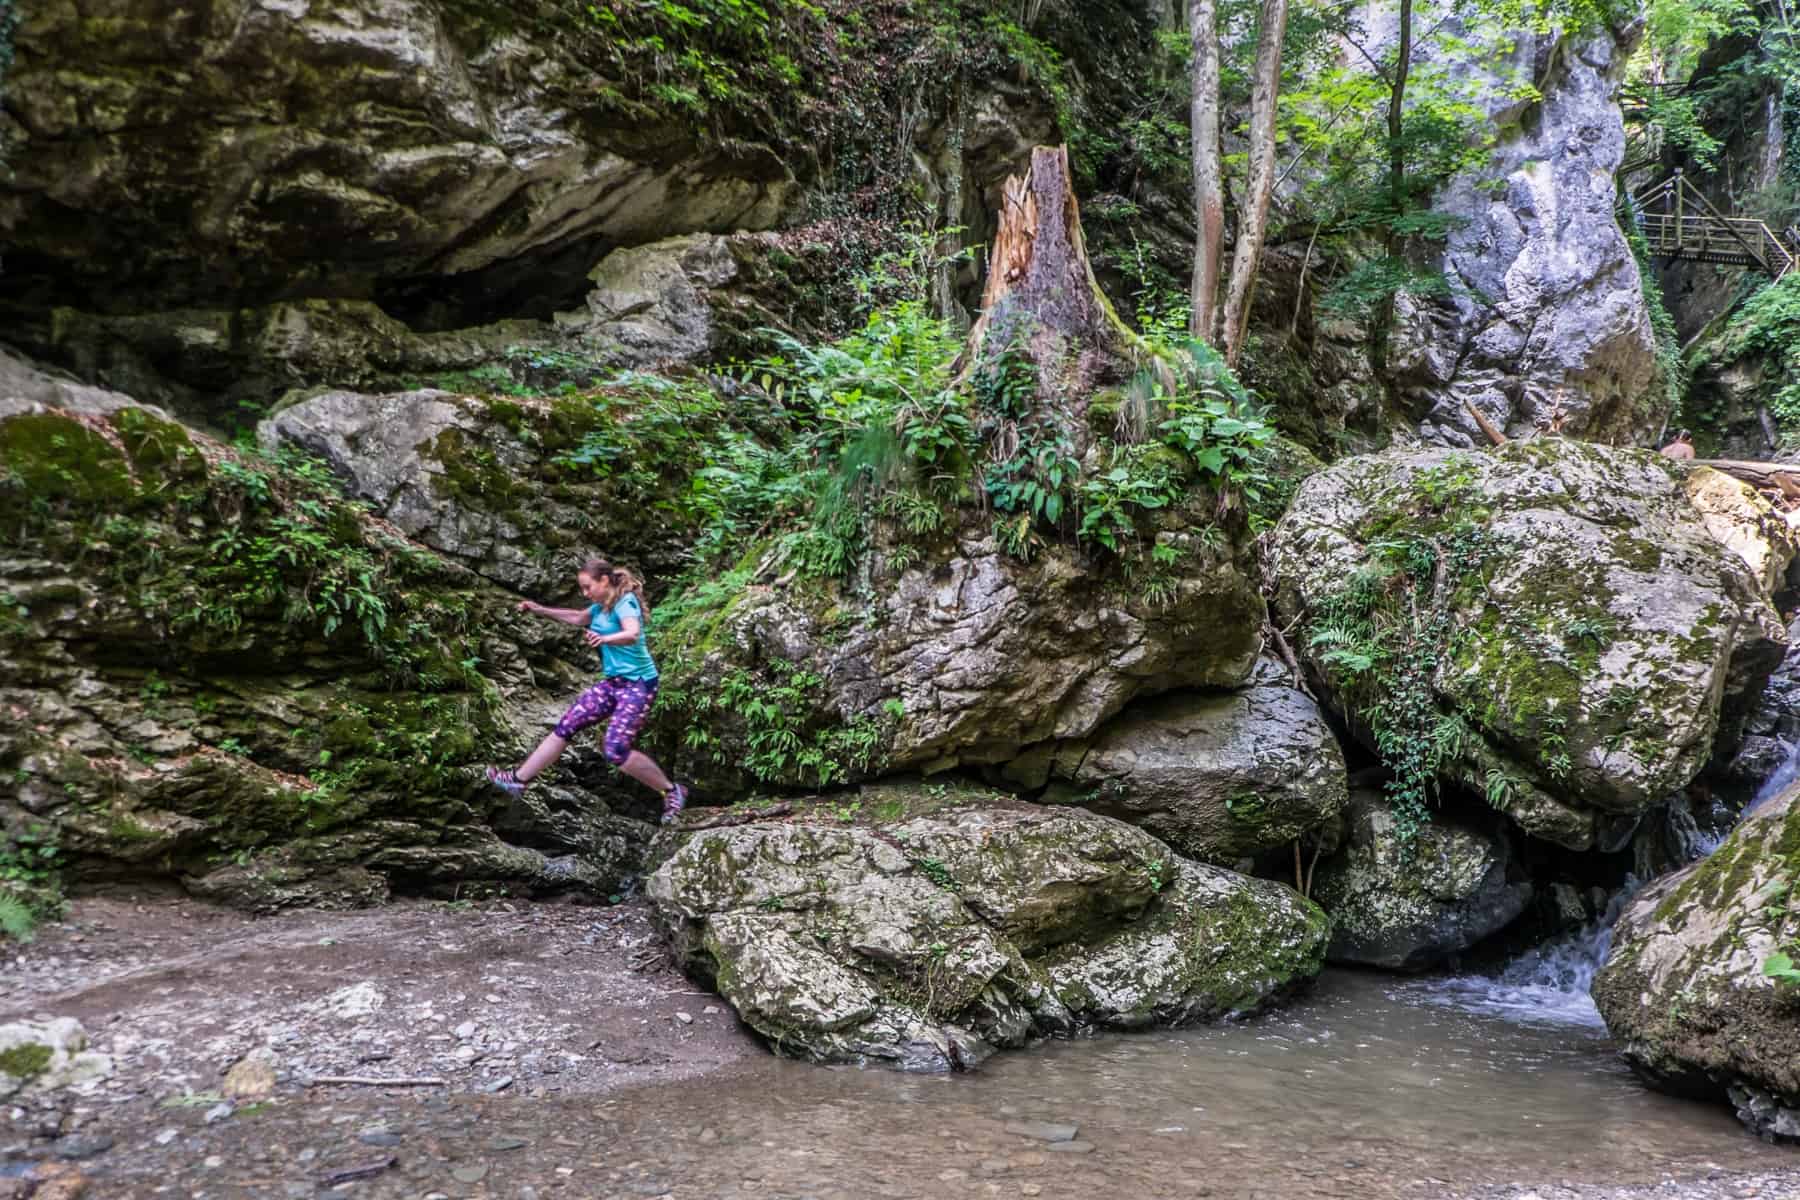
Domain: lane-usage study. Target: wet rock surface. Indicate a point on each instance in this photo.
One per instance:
(1549, 314)
(1218, 776)
(285, 710)
(1412, 908)
(1692, 987)
(481, 480)
(973, 659)
(434, 139)
(955, 925)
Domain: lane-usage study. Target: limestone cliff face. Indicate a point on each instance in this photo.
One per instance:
(1546, 306)
(259, 150)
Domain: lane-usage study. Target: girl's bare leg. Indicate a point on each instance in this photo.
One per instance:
(641, 767)
(547, 752)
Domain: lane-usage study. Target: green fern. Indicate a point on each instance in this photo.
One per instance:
(17, 921)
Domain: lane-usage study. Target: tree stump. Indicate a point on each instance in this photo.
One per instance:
(1042, 303)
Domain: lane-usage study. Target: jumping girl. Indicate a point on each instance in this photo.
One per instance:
(615, 622)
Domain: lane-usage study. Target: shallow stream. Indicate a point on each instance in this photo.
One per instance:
(1367, 1088)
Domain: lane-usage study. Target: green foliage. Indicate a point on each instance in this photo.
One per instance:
(1210, 417)
(1032, 475)
(1780, 967)
(1769, 324)
(939, 874)
(784, 740)
(1361, 291)
(30, 879)
(1138, 480)
(1672, 366)
(731, 63)
(17, 919)
(1381, 638)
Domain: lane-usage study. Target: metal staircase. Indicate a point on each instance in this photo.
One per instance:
(1678, 222)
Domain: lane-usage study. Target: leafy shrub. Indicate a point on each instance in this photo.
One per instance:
(1769, 323)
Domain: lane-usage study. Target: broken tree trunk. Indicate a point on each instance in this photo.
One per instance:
(1043, 304)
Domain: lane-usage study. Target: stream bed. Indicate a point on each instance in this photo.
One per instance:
(1368, 1087)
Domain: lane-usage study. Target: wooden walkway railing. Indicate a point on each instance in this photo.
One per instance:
(1679, 222)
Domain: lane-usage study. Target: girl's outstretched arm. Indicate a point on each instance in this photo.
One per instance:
(568, 616)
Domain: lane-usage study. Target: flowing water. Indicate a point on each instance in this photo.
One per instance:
(1366, 1088)
(1777, 781)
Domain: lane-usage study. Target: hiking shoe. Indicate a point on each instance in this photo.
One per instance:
(506, 781)
(674, 800)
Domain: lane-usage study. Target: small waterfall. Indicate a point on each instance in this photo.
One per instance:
(1776, 783)
(1547, 985)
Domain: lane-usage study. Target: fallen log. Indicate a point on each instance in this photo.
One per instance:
(1781, 477)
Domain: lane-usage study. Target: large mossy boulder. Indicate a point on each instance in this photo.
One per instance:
(1411, 906)
(214, 667)
(1219, 776)
(925, 927)
(963, 659)
(1554, 625)
(1700, 987)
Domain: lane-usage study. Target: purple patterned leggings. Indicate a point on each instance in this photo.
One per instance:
(626, 701)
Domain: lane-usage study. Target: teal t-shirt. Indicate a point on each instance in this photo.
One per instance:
(630, 661)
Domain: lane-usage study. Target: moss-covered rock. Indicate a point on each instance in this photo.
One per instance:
(1555, 624)
(215, 667)
(1219, 776)
(1411, 907)
(39, 1056)
(522, 490)
(1693, 990)
(963, 659)
(924, 928)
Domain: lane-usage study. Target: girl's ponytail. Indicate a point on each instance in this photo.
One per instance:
(622, 580)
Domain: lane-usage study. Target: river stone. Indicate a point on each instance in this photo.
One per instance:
(1683, 990)
(41, 1056)
(1218, 776)
(1607, 621)
(1412, 910)
(933, 927)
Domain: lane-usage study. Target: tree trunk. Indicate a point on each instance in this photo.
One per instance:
(1396, 116)
(1042, 301)
(1383, 324)
(949, 242)
(1209, 176)
(1253, 219)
